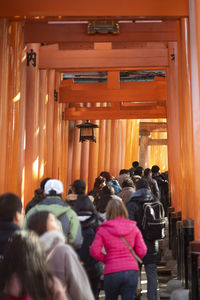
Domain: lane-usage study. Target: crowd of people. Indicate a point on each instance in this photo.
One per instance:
(62, 248)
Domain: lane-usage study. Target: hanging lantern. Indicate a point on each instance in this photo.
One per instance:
(87, 131)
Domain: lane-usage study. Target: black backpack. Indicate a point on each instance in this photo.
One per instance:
(153, 221)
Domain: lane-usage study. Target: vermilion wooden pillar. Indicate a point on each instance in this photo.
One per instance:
(64, 152)
(187, 167)
(84, 164)
(22, 129)
(173, 125)
(107, 146)
(50, 122)
(3, 99)
(93, 159)
(123, 144)
(76, 160)
(119, 149)
(43, 100)
(194, 6)
(70, 152)
(57, 130)
(32, 127)
(102, 145)
(14, 98)
(114, 147)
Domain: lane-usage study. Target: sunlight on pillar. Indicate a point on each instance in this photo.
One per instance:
(37, 131)
(46, 99)
(41, 172)
(35, 168)
(17, 97)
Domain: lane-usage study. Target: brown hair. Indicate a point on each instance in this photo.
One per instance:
(115, 209)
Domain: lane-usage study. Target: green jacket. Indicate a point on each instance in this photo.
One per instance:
(66, 215)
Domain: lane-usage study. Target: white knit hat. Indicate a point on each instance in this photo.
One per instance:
(53, 185)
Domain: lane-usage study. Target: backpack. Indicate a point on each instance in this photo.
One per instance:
(153, 221)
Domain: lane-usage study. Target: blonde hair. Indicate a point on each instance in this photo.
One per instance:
(115, 209)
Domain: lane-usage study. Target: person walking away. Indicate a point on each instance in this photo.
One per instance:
(121, 268)
(61, 258)
(24, 273)
(136, 212)
(11, 218)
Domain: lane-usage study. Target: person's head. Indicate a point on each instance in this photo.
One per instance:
(43, 221)
(155, 169)
(142, 184)
(147, 172)
(116, 209)
(135, 178)
(108, 190)
(106, 175)
(124, 171)
(99, 182)
(43, 182)
(11, 209)
(53, 187)
(139, 171)
(135, 164)
(24, 257)
(78, 187)
(127, 182)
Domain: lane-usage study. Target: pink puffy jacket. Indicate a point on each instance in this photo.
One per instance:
(109, 248)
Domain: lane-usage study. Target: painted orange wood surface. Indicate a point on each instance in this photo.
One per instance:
(50, 121)
(43, 98)
(195, 81)
(107, 146)
(102, 145)
(174, 135)
(32, 128)
(53, 58)
(14, 98)
(136, 91)
(84, 164)
(4, 50)
(70, 152)
(187, 168)
(76, 159)
(67, 34)
(93, 160)
(88, 8)
(142, 112)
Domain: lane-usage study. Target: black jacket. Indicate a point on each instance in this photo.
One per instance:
(7, 229)
(135, 210)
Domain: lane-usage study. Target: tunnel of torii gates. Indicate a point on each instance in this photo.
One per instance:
(38, 109)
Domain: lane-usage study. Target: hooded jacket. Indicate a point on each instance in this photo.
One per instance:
(66, 215)
(135, 210)
(65, 265)
(117, 257)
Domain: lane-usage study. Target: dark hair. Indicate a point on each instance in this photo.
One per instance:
(78, 187)
(155, 169)
(115, 209)
(9, 205)
(147, 172)
(138, 171)
(43, 182)
(127, 182)
(135, 164)
(38, 222)
(141, 184)
(108, 190)
(98, 181)
(124, 171)
(25, 258)
(106, 175)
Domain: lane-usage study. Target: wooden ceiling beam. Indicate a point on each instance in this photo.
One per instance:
(137, 91)
(53, 58)
(91, 8)
(142, 112)
(77, 34)
(153, 126)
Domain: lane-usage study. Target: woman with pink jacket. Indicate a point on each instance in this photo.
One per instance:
(121, 267)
